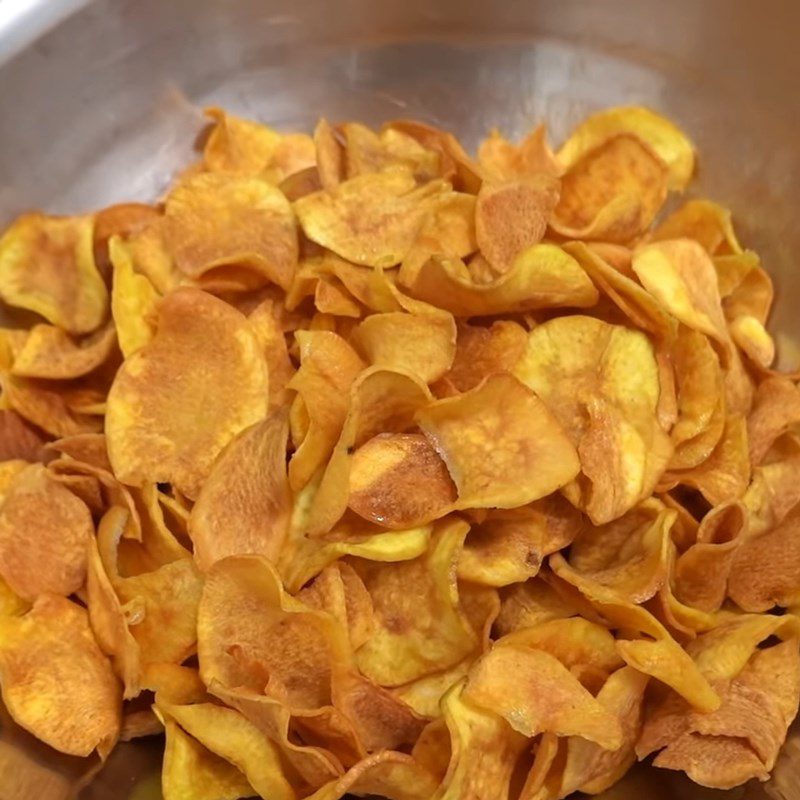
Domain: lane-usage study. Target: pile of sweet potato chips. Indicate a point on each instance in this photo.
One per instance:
(358, 465)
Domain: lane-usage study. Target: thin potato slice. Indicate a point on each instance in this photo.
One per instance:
(18, 440)
(47, 266)
(706, 222)
(151, 424)
(502, 446)
(499, 159)
(56, 682)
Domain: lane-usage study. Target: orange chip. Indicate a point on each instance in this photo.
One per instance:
(423, 345)
(420, 625)
(47, 266)
(776, 409)
(582, 368)
(49, 352)
(56, 682)
(44, 532)
(510, 546)
(706, 222)
(216, 219)
(612, 193)
(484, 351)
(511, 216)
(328, 367)
(542, 276)
(399, 481)
(151, 423)
(121, 220)
(372, 219)
(18, 440)
(500, 443)
(534, 692)
(524, 605)
(245, 504)
(501, 160)
(330, 155)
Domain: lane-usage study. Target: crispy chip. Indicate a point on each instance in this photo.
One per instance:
(500, 443)
(706, 222)
(525, 605)
(238, 145)
(56, 682)
(47, 266)
(511, 216)
(420, 625)
(151, 426)
(44, 532)
(422, 345)
(501, 160)
(18, 440)
(667, 141)
(776, 409)
(581, 368)
(245, 504)
(372, 219)
(215, 220)
(534, 692)
(542, 276)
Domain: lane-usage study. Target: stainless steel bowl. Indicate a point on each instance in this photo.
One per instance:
(98, 104)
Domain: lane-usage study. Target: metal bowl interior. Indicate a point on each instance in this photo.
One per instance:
(100, 104)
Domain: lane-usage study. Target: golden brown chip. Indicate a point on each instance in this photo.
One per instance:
(56, 682)
(266, 323)
(399, 481)
(370, 220)
(499, 159)
(49, 352)
(420, 625)
(501, 445)
(511, 216)
(216, 219)
(524, 605)
(534, 692)
(776, 409)
(328, 367)
(543, 276)
(612, 193)
(245, 504)
(44, 533)
(706, 222)
(422, 345)
(153, 406)
(47, 266)
(582, 368)
(18, 440)
(510, 546)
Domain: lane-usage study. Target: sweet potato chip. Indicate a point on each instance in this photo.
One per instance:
(752, 338)
(192, 771)
(56, 683)
(49, 352)
(666, 140)
(328, 367)
(511, 216)
(266, 324)
(776, 409)
(510, 546)
(581, 368)
(227, 734)
(44, 532)
(543, 276)
(588, 767)
(501, 445)
(524, 605)
(425, 694)
(484, 750)
(370, 220)
(134, 300)
(612, 193)
(399, 481)
(422, 345)
(214, 220)
(534, 692)
(47, 266)
(420, 625)
(152, 433)
(245, 504)
(653, 651)
(239, 145)
(681, 276)
(18, 440)
(499, 159)
(706, 222)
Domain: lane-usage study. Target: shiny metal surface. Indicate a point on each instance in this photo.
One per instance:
(101, 107)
